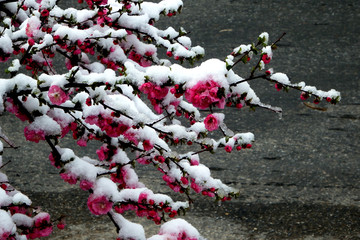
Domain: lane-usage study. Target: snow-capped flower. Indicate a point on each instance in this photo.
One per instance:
(42, 226)
(69, 178)
(32, 27)
(34, 135)
(147, 145)
(212, 121)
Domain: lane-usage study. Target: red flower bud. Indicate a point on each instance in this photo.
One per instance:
(304, 96)
(278, 86)
(266, 59)
(88, 101)
(31, 42)
(228, 148)
(239, 105)
(45, 13)
(169, 53)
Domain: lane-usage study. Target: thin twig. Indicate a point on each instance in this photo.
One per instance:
(5, 164)
(7, 140)
(248, 79)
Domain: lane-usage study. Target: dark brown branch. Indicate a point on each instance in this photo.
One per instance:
(247, 52)
(113, 221)
(248, 79)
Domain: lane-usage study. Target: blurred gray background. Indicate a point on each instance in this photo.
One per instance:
(301, 178)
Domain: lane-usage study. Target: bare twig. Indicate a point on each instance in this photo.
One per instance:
(5, 164)
(7, 140)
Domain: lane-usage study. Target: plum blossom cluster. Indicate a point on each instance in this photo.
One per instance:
(19, 219)
(121, 89)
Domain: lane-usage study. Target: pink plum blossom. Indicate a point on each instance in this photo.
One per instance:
(42, 226)
(154, 91)
(56, 95)
(99, 205)
(194, 162)
(68, 64)
(143, 197)
(69, 178)
(239, 105)
(139, 59)
(52, 160)
(304, 96)
(266, 58)
(45, 13)
(61, 225)
(143, 161)
(31, 42)
(82, 142)
(278, 86)
(212, 122)
(197, 188)
(34, 135)
(105, 152)
(32, 27)
(147, 145)
(86, 185)
(204, 94)
(4, 235)
(184, 180)
(11, 107)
